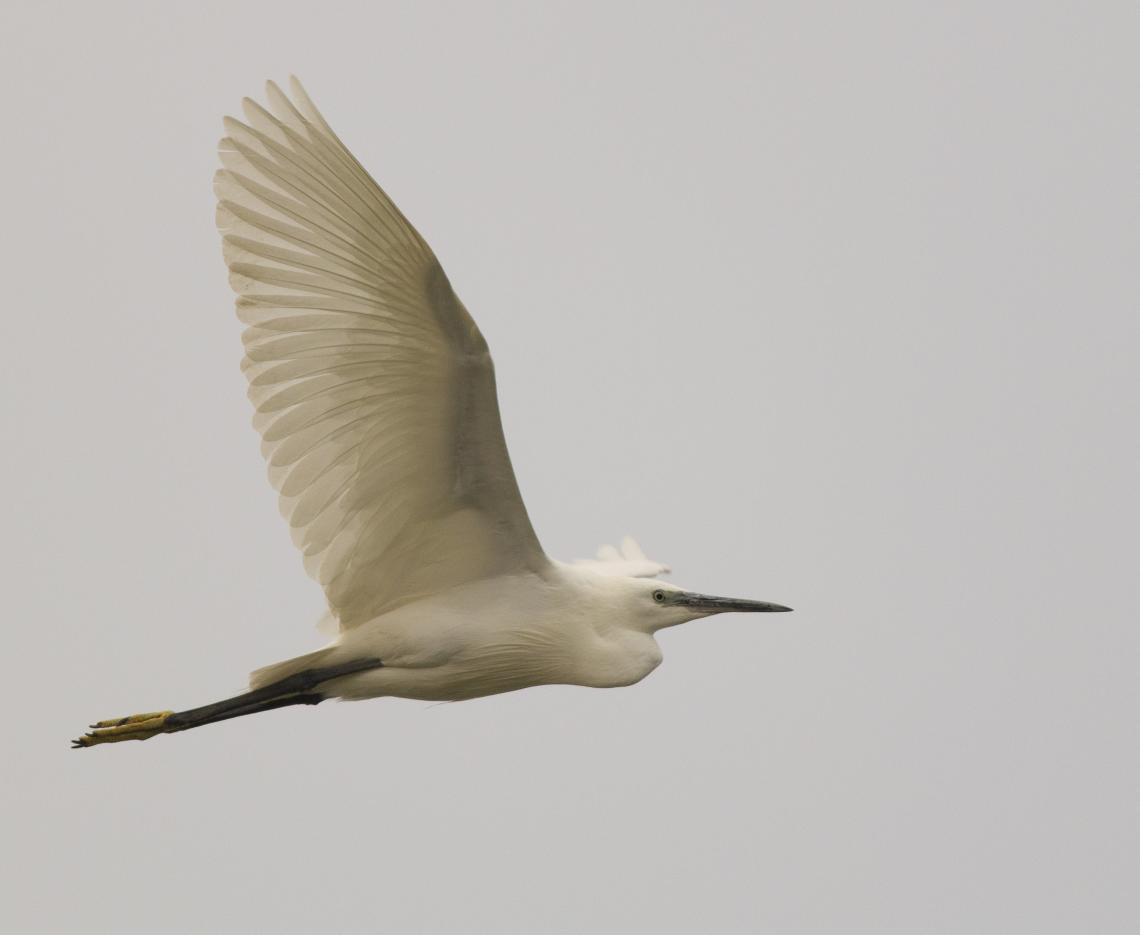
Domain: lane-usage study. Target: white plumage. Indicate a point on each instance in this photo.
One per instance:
(374, 390)
(627, 560)
(375, 398)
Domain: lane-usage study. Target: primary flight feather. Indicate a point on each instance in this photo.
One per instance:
(374, 393)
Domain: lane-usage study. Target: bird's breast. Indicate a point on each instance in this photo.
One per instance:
(617, 658)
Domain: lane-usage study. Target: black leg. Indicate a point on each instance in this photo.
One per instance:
(299, 688)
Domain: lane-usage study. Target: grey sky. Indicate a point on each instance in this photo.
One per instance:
(832, 305)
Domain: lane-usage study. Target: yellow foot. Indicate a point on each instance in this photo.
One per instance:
(135, 727)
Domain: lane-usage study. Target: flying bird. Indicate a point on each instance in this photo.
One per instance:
(375, 398)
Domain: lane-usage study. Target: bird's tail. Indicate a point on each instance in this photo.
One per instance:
(267, 675)
(299, 684)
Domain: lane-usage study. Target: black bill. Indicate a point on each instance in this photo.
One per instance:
(721, 605)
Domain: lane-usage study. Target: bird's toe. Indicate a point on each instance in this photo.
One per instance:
(134, 727)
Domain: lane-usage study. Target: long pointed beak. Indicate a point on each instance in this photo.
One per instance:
(721, 605)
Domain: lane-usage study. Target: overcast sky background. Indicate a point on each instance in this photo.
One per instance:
(834, 305)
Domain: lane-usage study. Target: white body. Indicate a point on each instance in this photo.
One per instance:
(570, 625)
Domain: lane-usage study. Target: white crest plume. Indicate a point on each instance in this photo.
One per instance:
(629, 560)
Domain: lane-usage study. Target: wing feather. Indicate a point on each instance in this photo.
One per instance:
(373, 389)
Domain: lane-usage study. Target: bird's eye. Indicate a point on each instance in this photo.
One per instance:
(659, 596)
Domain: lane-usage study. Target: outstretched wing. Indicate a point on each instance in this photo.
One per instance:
(629, 562)
(374, 390)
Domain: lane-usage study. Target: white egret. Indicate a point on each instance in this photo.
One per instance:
(375, 399)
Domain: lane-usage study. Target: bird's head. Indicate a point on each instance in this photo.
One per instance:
(658, 604)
